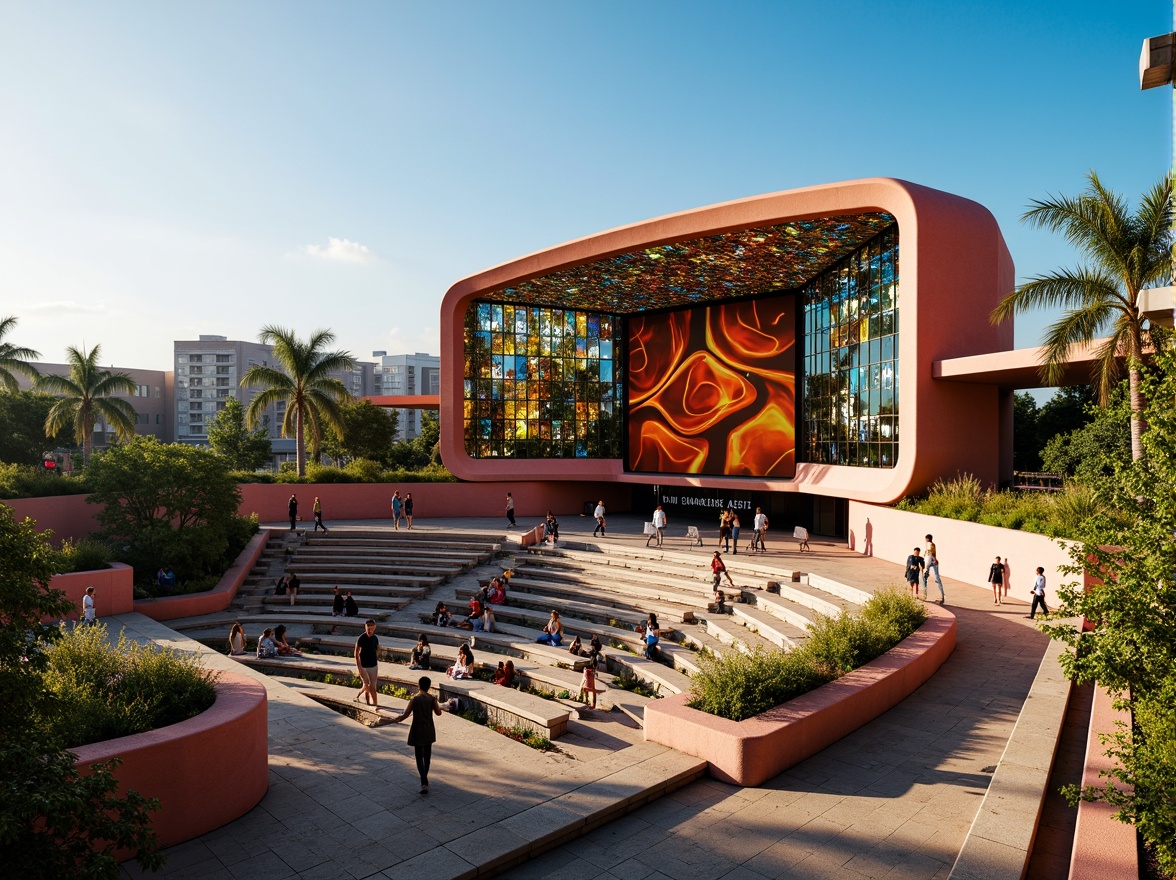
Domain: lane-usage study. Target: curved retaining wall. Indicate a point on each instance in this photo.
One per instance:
(206, 771)
(752, 751)
(114, 589)
(218, 598)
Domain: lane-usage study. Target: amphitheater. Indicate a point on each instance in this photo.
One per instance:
(900, 797)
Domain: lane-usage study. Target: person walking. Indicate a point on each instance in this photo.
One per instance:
(292, 509)
(914, 569)
(408, 510)
(397, 509)
(422, 733)
(292, 586)
(510, 515)
(318, 515)
(996, 578)
(718, 569)
(659, 524)
(735, 532)
(89, 612)
(760, 527)
(1038, 595)
(932, 566)
(725, 531)
(599, 514)
(367, 652)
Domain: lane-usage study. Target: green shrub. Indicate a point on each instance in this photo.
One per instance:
(31, 481)
(741, 685)
(88, 554)
(105, 691)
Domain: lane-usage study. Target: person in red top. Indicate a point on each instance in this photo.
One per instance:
(475, 618)
(718, 569)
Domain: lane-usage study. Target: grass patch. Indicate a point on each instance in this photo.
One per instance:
(627, 681)
(741, 685)
(524, 735)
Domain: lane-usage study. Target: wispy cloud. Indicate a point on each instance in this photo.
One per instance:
(342, 250)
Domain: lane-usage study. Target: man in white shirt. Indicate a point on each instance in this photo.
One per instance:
(760, 527)
(1038, 594)
(599, 514)
(659, 523)
(89, 612)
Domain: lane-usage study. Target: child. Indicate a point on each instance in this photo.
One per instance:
(588, 688)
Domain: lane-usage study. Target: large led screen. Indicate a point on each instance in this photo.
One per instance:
(712, 390)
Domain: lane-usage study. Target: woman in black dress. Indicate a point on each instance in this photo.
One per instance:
(422, 734)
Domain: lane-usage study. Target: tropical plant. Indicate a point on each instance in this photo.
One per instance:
(368, 433)
(1127, 252)
(87, 394)
(313, 397)
(14, 359)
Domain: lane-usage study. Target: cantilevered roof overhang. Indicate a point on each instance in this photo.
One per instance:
(1017, 369)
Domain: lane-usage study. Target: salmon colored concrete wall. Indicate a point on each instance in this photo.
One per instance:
(218, 598)
(752, 751)
(114, 589)
(955, 268)
(373, 500)
(69, 516)
(1103, 846)
(965, 549)
(206, 771)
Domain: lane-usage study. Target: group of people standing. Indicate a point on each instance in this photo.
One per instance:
(729, 528)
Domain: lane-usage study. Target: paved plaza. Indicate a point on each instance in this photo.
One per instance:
(895, 799)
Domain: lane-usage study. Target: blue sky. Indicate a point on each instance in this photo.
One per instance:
(171, 170)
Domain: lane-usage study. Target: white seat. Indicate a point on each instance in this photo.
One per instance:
(692, 534)
(801, 534)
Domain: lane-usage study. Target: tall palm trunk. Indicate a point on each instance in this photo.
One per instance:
(87, 437)
(1137, 425)
(300, 441)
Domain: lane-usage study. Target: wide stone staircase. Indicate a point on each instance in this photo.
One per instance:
(604, 589)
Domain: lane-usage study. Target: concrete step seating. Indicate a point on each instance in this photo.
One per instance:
(505, 706)
(414, 560)
(777, 631)
(360, 537)
(315, 588)
(692, 580)
(538, 606)
(745, 568)
(210, 625)
(670, 608)
(388, 601)
(331, 575)
(398, 650)
(730, 633)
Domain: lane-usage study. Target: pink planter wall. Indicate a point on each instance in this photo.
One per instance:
(69, 516)
(218, 598)
(114, 589)
(1103, 846)
(752, 751)
(372, 500)
(206, 771)
(966, 549)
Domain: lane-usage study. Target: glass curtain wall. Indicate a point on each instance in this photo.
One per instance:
(850, 404)
(542, 382)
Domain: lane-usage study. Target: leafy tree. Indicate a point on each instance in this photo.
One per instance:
(368, 432)
(1128, 548)
(312, 396)
(53, 821)
(1127, 252)
(168, 503)
(14, 359)
(1091, 453)
(87, 393)
(22, 437)
(1026, 448)
(1068, 410)
(422, 450)
(230, 437)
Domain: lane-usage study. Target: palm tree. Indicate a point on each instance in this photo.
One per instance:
(312, 396)
(87, 393)
(14, 359)
(1127, 252)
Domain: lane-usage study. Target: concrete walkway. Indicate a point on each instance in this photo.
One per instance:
(894, 799)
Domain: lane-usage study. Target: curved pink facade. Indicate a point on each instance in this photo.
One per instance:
(954, 268)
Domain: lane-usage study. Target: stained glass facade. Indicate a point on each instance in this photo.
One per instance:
(850, 406)
(542, 382)
(720, 267)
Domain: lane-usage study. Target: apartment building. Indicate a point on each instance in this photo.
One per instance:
(418, 373)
